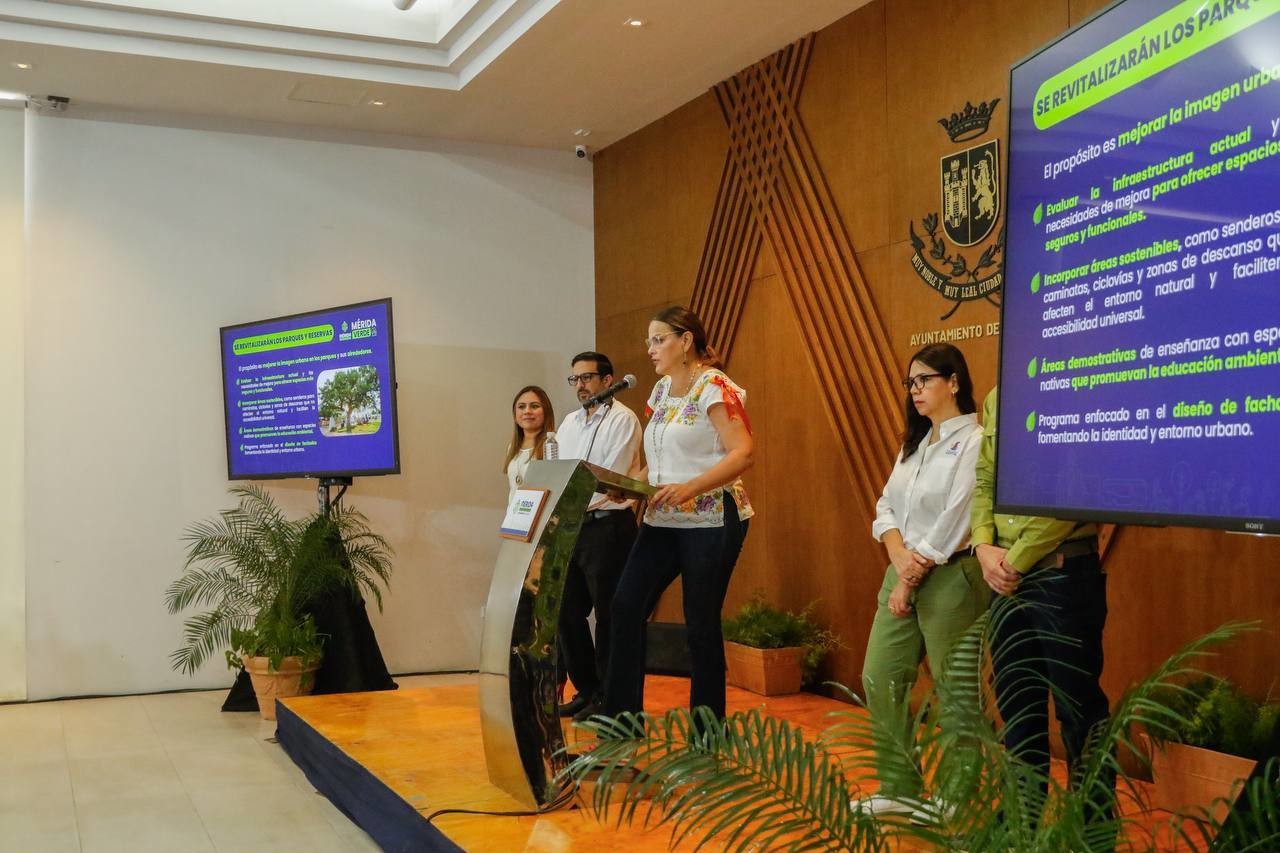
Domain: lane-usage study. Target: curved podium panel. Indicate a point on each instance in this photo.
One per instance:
(519, 719)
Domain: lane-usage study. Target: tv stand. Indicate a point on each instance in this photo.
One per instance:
(327, 503)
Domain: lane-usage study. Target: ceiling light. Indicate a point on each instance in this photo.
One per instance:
(582, 131)
(22, 66)
(377, 103)
(633, 22)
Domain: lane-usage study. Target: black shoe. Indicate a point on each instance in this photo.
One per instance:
(576, 704)
(591, 709)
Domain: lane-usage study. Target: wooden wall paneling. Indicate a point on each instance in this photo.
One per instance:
(769, 151)
(1080, 10)
(845, 102)
(655, 191)
(748, 183)
(861, 443)
(733, 242)
(621, 337)
(942, 54)
(1169, 585)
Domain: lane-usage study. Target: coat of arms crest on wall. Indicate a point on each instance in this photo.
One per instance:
(970, 206)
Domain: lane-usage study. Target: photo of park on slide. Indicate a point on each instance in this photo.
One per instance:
(349, 401)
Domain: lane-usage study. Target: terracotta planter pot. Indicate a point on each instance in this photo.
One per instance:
(291, 679)
(1187, 779)
(769, 672)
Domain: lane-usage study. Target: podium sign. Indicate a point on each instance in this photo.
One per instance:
(523, 513)
(519, 689)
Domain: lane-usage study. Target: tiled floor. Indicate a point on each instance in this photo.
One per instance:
(168, 772)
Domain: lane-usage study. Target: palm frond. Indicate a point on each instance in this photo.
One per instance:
(204, 634)
(752, 782)
(256, 568)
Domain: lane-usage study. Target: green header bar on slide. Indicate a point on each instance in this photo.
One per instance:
(283, 340)
(1162, 42)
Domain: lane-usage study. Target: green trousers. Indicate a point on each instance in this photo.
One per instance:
(951, 597)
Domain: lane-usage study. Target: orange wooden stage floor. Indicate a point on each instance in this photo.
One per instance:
(424, 745)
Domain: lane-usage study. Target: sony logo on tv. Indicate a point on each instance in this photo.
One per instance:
(1254, 525)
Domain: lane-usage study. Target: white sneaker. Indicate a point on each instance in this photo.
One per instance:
(881, 806)
(933, 811)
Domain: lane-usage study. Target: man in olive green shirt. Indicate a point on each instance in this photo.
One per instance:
(1047, 619)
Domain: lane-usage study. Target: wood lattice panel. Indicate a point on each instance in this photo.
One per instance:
(772, 190)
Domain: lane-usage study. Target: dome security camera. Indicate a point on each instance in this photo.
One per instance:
(582, 152)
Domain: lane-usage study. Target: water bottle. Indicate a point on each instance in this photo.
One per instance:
(551, 449)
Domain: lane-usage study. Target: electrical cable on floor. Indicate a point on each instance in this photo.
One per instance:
(559, 802)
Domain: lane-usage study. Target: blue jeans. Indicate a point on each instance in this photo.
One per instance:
(703, 557)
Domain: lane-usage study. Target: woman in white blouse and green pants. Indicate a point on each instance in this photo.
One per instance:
(933, 589)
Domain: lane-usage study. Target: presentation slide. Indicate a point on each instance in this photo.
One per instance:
(311, 395)
(1140, 365)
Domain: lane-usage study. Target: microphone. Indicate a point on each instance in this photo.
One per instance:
(628, 381)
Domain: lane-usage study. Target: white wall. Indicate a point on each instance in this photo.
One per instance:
(13, 677)
(143, 240)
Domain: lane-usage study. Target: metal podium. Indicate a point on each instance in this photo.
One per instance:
(519, 717)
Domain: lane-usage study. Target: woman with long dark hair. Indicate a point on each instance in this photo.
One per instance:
(532, 416)
(933, 588)
(697, 444)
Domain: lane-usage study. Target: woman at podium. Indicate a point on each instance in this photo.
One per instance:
(933, 588)
(697, 444)
(532, 415)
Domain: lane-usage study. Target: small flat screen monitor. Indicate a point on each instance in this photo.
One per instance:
(312, 395)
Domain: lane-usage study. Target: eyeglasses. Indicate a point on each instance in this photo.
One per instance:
(917, 382)
(584, 378)
(656, 340)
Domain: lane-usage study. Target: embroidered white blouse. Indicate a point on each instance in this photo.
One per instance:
(680, 442)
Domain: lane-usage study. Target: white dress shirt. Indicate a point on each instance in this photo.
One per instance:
(616, 431)
(928, 496)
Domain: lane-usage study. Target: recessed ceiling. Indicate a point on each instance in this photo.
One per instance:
(438, 44)
(526, 72)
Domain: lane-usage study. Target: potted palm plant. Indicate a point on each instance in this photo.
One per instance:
(259, 572)
(753, 782)
(772, 651)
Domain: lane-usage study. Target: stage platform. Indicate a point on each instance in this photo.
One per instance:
(389, 760)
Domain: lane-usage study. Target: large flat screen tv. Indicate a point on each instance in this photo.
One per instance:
(312, 395)
(1140, 361)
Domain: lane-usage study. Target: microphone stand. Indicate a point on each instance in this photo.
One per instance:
(604, 412)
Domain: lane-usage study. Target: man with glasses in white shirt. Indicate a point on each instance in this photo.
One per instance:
(608, 435)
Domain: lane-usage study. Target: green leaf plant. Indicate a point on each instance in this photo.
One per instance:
(257, 572)
(762, 626)
(753, 782)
